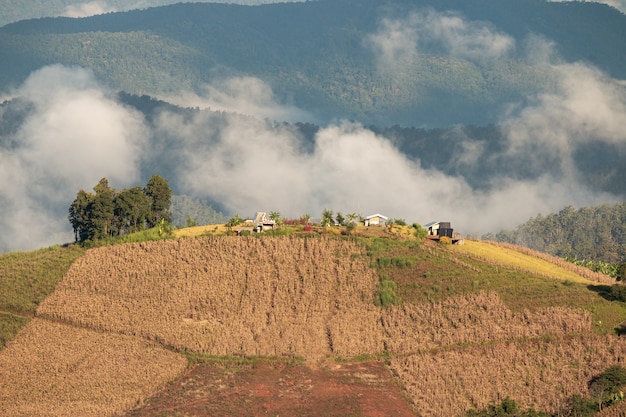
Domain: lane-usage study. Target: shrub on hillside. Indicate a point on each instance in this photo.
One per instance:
(618, 292)
(507, 408)
(606, 387)
(386, 293)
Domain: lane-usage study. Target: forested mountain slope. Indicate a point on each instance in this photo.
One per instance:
(334, 58)
(15, 10)
(591, 233)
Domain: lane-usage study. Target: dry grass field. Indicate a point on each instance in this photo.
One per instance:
(52, 369)
(536, 373)
(228, 295)
(474, 325)
(532, 261)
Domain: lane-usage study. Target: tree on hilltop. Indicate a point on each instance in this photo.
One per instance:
(160, 193)
(106, 212)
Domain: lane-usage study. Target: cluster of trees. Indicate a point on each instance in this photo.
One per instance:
(597, 233)
(107, 212)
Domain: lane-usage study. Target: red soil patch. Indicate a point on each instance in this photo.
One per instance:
(279, 389)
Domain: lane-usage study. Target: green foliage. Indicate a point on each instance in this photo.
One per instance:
(160, 194)
(621, 272)
(606, 385)
(108, 213)
(420, 232)
(350, 227)
(507, 408)
(618, 292)
(597, 266)
(327, 218)
(597, 233)
(275, 216)
(386, 292)
(233, 222)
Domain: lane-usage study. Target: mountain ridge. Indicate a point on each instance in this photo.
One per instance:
(319, 51)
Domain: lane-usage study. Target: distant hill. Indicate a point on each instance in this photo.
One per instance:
(327, 56)
(15, 10)
(587, 233)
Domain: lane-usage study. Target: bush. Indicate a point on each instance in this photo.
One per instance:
(508, 408)
(618, 292)
(621, 272)
(608, 383)
(386, 293)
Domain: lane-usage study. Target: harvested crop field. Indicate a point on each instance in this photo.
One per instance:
(309, 303)
(536, 373)
(52, 369)
(274, 388)
(228, 295)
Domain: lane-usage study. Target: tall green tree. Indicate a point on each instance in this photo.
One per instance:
(80, 215)
(103, 210)
(132, 208)
(160, 194)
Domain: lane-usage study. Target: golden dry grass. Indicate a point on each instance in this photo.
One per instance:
(228, 295)
(531, 261)
(538, 374)
(211, 229)
(52, 369)
(473, 319)
(313, 298)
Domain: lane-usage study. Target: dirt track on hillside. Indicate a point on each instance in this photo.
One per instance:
(364, 389)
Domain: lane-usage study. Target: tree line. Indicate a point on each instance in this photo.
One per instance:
(588, 233)
(107, 212)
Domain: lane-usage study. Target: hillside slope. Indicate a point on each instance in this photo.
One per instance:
(313, 300)
(331, 57)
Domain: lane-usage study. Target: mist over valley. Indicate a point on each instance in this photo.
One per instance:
(470, 112)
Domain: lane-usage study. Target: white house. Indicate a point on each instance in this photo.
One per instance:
(376, 220)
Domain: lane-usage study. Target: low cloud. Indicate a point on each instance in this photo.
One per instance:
(244, 95)
(75, 135)
(618, 4)
(91, 8)
(586, 107)
(399, 40)
(249, 166)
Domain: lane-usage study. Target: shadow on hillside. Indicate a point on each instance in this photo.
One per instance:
(608, 293)
(603, 291)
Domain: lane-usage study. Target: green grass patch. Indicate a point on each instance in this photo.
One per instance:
(435, 273)
(195, 358)
(9, 326)
(26, 278)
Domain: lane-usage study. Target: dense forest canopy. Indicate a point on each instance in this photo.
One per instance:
(346, 59)
(591, 233)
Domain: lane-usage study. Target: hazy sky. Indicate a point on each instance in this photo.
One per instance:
(78, 133)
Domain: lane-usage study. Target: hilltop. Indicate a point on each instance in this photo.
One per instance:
(373, 318)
